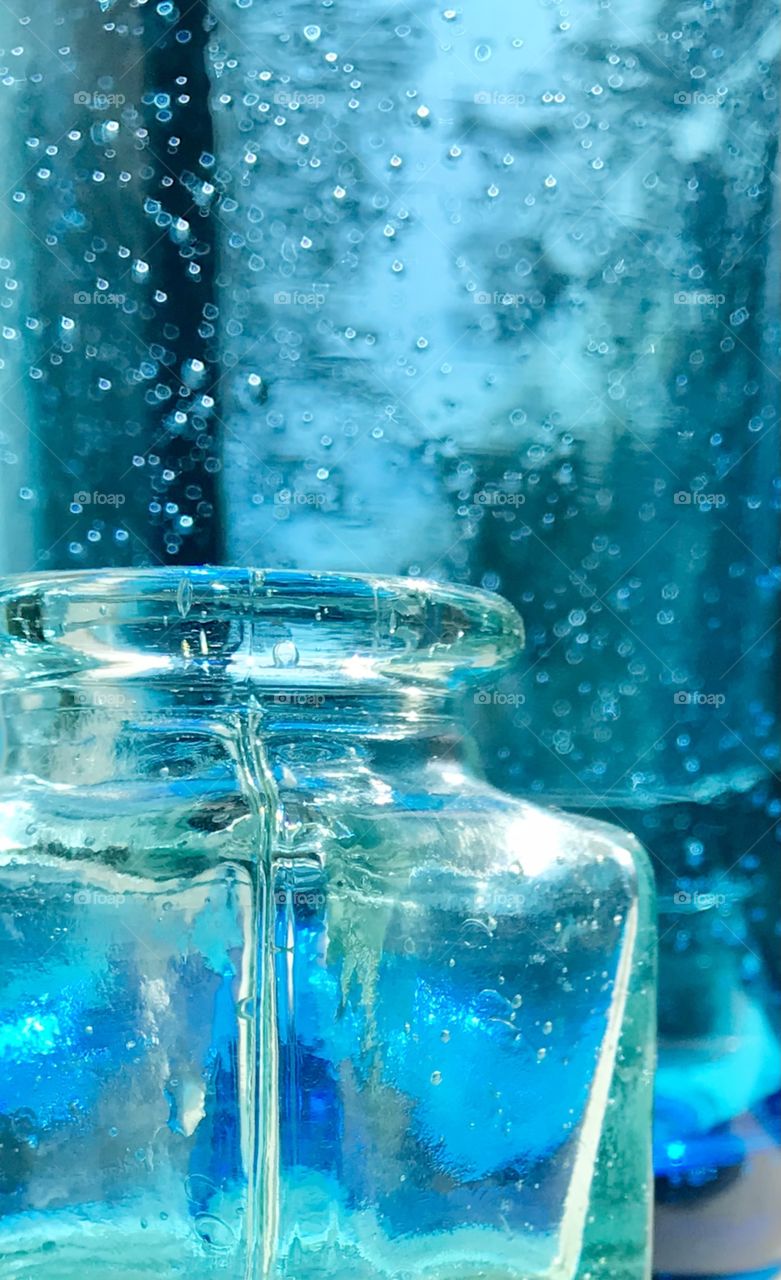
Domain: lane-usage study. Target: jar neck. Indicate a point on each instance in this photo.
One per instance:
(188, 649)
(106, 703)
(75, 734)
(237, 632)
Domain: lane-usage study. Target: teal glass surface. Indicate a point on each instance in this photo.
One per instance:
(485, 294)
(287, 990)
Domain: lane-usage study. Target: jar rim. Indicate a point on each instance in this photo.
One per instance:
(253, 624)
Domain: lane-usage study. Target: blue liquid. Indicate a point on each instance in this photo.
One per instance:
(718, 1106)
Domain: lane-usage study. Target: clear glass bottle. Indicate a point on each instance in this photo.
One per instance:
(288, 991)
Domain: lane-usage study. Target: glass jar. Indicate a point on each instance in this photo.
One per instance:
(287, 989)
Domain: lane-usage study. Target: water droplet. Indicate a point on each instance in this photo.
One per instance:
(285, 654)
(213, 1233)
(184, 597)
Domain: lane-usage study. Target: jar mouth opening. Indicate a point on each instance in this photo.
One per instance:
(269, 626)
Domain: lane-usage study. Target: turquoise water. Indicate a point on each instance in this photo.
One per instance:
(717, 1148)
(428, 1069)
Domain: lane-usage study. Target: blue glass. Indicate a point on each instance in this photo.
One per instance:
(109, 440)
(510, 305)
(477, 293)
(287, 990)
